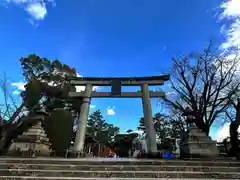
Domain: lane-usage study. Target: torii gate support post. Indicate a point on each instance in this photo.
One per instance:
(148, 120)
(82, 123)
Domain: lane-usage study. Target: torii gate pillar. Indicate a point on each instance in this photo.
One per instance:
(82, 122)
(148, 120)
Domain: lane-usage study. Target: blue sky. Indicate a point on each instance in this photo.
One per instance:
(111, 38)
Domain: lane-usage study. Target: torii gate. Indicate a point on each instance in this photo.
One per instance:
(116, 83)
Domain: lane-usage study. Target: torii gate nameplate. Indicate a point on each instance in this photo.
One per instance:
(116, 87)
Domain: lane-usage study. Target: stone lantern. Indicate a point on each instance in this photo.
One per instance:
(194, 142)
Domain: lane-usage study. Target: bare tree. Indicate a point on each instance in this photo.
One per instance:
(10, 113)
(10, 108)
(177, 121)
(205, 83)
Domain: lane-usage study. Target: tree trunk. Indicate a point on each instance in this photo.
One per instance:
(3, 140)
(225, 143)
(206, 129)
(203, 126)
(233, 131)
(233, 138)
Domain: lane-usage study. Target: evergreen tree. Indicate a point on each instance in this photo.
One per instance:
(46, 85)
(164, 126)
(99, 129)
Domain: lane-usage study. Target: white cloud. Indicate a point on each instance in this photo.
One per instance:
(92, 106)
(135, 131)
(37, 9)
(82, 88)
(16, 92)
(222, 133)
(79, 75)
(19, 85)
(110, 111)
(231, 11)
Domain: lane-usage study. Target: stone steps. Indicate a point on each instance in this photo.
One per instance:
(95, 168)
(124, 161)
(77, 178)
(118, 174)
(120, 167)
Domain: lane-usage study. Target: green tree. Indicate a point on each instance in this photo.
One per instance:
(59, 127)
(141, 126)
(176, 123)
(96, 124)
(35, 67)
(99, 129)
(111, 133)
(164, 126)
(47, 83)
(48, 86)
(158, 121)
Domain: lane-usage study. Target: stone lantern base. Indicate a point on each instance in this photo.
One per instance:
(196, 143)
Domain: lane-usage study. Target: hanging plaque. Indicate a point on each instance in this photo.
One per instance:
(116, 87)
